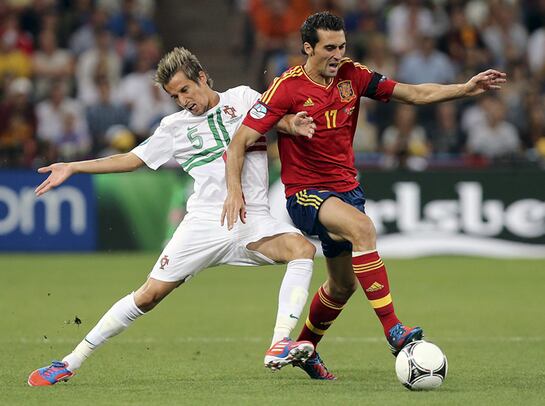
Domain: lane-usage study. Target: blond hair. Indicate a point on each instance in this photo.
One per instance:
(179, 60)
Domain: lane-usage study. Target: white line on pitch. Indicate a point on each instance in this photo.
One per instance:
(149, 340)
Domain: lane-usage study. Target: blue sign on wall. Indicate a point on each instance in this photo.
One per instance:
(64, 219)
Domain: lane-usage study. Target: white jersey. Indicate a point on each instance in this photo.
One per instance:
(198, 144)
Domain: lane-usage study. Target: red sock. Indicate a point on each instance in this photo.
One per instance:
(371, 274)
(323, 311)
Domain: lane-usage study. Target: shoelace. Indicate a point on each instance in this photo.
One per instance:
(317, 362)
(317, 365)
(397, 332)
(51, 370)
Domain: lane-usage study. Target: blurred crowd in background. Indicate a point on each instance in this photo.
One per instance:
(75, 79)
(417, 41)
(75, 76)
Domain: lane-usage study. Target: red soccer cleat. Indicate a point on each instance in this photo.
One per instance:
(399, 336)
(286, 351)
(316, 369)
(50, 375)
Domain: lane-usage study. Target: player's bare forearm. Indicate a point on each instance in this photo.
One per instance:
(233, 207)
(433, 92)
(61, 171)
(127, 162)
(427, 93)
(297, 124)
(233, 168)
(243, 138)
(284, 124)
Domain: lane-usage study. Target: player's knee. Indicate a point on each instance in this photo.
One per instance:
(300, 247)
(363, 231)
(152, 292)
(146, 299)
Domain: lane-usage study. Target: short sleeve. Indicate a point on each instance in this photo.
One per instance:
(157, 149)
(380, 88)
(270, 108)
(372, 84)
(249, 96)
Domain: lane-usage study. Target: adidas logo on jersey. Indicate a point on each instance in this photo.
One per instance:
(308, 103)
(374, 287)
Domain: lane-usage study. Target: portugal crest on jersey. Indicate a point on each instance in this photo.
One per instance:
(231, 111)
(346, 91)
(164, 262)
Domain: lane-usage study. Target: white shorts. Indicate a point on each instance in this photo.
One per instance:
(200, 243)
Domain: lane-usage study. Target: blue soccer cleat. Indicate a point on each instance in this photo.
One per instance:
(50, 375)
(287, 351)
(399, 336)
(315, 368)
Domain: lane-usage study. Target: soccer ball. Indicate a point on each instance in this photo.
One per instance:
(421, 366)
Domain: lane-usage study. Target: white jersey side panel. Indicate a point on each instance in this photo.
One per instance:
(198, 144)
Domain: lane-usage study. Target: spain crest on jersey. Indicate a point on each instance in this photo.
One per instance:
(346, 91)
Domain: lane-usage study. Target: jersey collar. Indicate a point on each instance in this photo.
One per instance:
(316, 83)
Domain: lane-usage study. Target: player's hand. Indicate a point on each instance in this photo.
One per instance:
(233, 208)
(303, 125)
(484, 81)
(59, 173)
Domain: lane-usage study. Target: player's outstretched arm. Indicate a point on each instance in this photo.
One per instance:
(297, 124)
(233, 207)
(433, 92)
(61, 171)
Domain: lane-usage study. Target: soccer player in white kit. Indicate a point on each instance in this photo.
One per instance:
(197, 138)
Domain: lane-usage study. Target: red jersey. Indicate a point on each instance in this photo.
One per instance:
(326, 161)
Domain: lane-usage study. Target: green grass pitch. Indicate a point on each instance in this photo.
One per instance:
(204, 344)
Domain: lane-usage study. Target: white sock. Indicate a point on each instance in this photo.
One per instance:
(358, 253)
(117, 319)
(292, 297)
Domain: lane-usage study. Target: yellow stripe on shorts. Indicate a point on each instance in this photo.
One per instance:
(308, 200)
(305, 201)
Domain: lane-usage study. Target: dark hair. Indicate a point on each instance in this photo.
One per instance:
(323, 20)
(179, 60)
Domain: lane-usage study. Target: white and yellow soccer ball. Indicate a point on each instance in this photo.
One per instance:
(421, 366)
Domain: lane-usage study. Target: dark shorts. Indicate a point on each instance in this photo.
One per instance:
(304, 206)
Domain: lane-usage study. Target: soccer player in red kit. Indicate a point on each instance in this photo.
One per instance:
(323, 196)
